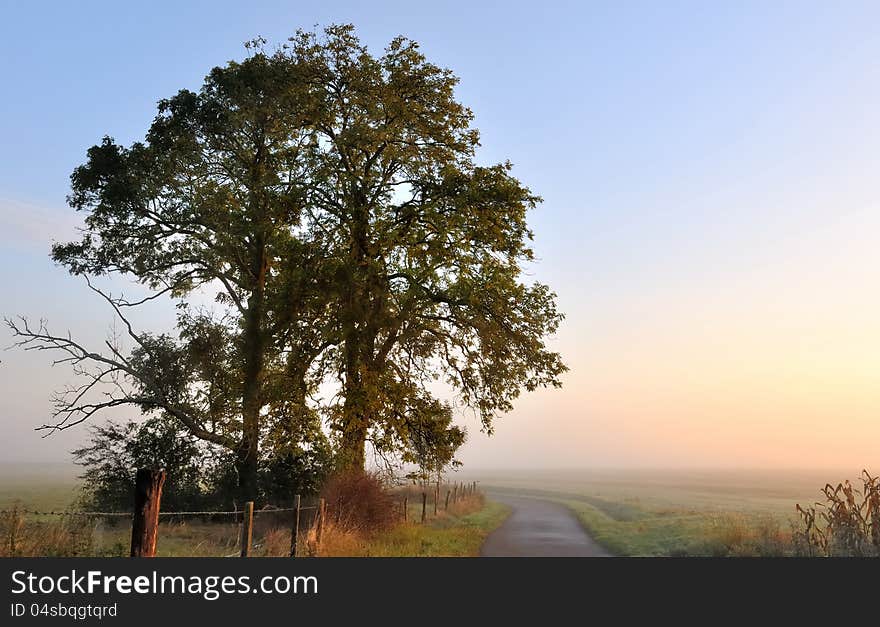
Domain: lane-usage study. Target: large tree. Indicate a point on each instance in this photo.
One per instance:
(211, 199)
(430, 247)
(333, 200)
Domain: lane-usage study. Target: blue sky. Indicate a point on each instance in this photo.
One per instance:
(709, 171)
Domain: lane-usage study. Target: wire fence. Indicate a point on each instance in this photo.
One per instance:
(33, 512)
(208, 533)
(271, 531)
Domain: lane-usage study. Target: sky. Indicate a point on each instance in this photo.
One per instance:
(710, 219)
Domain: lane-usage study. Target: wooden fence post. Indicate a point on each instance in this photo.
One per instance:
(247, 529)
(436, 498)
(455, 493)
(147, 498)
(319, 529)
(294, 532)
(16, 524)
(424, 504)
(446, 507)
(405, 508)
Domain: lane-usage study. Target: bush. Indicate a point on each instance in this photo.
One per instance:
(118, 450)
(358, 501)
(200, 476)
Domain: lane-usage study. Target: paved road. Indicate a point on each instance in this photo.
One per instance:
(538, 528)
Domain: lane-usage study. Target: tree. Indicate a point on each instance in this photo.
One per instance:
(432, 441)
(429, 247)
(211, 199)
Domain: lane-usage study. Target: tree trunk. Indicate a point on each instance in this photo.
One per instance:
(352, 453)
(254, 363)
(247, 469)
(358, 410)
(364, 304)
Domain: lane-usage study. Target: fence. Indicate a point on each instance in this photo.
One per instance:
(305, 522)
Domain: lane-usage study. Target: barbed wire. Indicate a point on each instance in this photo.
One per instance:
(186, 513)
(130, 514)
(38, 513)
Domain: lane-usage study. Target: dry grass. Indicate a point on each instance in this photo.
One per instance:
(847, 524)
(737, 535)
(77, 536)
(458, 532)
(66, 536)
(275, 543)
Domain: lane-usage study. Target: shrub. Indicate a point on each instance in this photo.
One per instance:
(358, 501)
(200, 476)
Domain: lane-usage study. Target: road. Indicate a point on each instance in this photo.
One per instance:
(539, 528)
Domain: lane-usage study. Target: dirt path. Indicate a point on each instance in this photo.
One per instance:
(539, 528)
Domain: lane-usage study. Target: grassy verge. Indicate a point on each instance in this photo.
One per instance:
(673, 532)
(457, 534)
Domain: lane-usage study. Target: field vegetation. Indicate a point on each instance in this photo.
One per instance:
(711, 513)
(364, 519)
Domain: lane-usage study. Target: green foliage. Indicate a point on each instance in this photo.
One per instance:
(115, 453)
(283, 475)
(427, 247)
(432, 439)
(199, 476)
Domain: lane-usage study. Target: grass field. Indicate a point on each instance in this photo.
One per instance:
(43, 487)
(657, 513)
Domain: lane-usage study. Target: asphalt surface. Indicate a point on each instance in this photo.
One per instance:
(539, 528)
